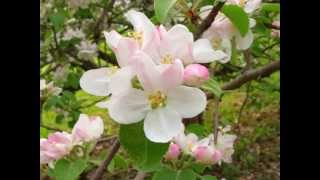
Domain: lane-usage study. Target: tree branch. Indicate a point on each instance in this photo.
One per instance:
(99, 171)
(100, 20)
(208, 21)
(252, 74)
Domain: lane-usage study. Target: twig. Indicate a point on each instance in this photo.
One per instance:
(50, 128)
(100, 20)
(252, 74)
(216, 120)
(93, 103)
(99, 171)
(140, 175)
(206, 23)
(245, 101)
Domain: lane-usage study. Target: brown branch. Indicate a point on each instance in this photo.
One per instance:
(100, 20)
(140, 175)
(206, 23)
(216, 120)
(99, 171)
(251, 75)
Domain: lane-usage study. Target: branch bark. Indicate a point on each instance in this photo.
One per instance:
(252, 74)
(99, 171)
(101, 19)
(206, 23)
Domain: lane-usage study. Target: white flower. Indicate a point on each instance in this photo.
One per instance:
(87, 129)
(87, 50)
(163, 102)
(71, 33)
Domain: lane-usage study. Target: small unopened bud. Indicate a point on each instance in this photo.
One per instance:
(195, 75)
(173, 152)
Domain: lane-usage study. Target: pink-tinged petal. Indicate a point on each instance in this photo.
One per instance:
(87, 129)
(130, 106)
(245, 42)
(162, 124)
(121, 80)
(141, 23)
(96, 81)
(195, 75)
(152, 47)
(147, 72)
(112, 38)
(217, 156)
(126, 48)
(177, 43)
(173, 152)
(187, 101)
(252, 5)
(172, 76)
(204, 53)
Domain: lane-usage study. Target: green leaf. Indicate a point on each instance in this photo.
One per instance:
(162, 8)
(52, 101)
(57, 20)
(238, 17)
(165, 174)
(207, 177)
(168, 174)
(196, 129)
(146, 154)
(214, 87)
(68, 170)
(199, 168)
(270, 7)
(186, 174)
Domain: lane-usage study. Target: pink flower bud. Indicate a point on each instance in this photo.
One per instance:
(217, 156)
(55, 147)
(173, 152)
(195, 75)
(87, 129)
(204, 154)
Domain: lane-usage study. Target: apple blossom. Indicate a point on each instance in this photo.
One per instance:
(163, 102)
(222, 28)
(186, 142)
(55, 147)
(165, 46)
(48, 89)
(195, 75)
(71, 33)
(87, 50)
(206, 154)
(87, 129)
(173, 152)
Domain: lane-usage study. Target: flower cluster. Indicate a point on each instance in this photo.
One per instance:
(48, 89)
(152, 82)
(204, 151)
(60, 144)
(222, 30)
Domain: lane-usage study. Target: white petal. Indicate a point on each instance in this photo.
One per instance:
(112, 38)
(96, 81)
(252, 22)
(252, 5)
(244, 42)
(162, 124)
(187, 101)
(121, 80)
(128, 107)
(205, 11)
(141, 23)
(204, 53)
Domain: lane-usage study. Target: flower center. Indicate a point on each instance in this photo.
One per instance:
(242, 3)
(157, 99)
(167, 59)
(138, 36)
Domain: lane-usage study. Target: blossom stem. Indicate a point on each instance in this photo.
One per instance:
(216, 120)
(99, 171)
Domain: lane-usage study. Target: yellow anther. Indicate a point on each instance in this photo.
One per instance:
(242, 3)
(167, 59)
(138, 36)
(157, 99)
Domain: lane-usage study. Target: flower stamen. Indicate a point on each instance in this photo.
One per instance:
(157, 99)
(167, 59)
(138, 36)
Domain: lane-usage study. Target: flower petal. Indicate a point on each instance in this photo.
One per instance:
(147, 72)
(128, 107)
(187, 101)
(252, 5)
(126, 48)
(96, 81)
(245, 42)
(172, 76)
(162, 124)
(112, 38)
(204, 53)
(121, 80)
(141, 23)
